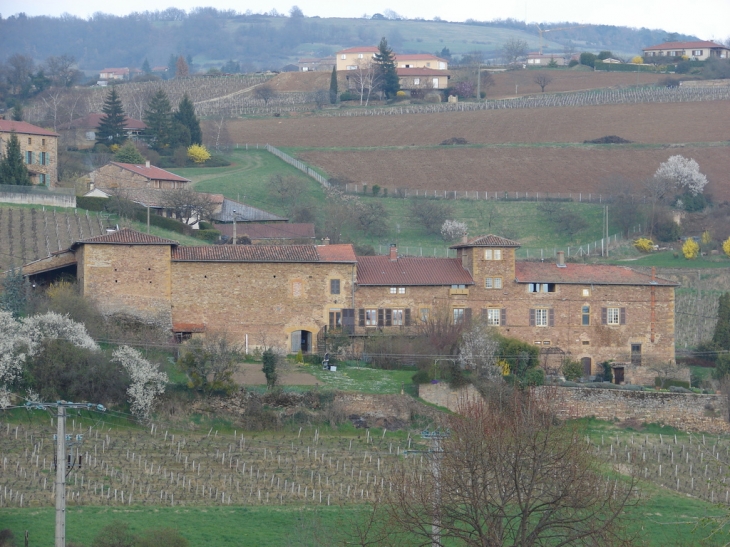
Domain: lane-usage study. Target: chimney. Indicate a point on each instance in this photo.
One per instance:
(465, 239)
(326, 241)
(393, 251)
(561, 259)
(147, 164)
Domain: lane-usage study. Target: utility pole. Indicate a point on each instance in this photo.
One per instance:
(61, 478)
(62, 463)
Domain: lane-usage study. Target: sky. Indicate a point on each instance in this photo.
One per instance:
(709, 20)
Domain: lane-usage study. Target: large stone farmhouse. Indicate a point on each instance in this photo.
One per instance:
(289, 295)
(115, 175)
(39, 148)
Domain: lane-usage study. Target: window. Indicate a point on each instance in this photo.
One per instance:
(351, 67)
(416, 81)
(585, 316)
(697, 52)
(586, 292)
(586, 342)
(397, 318)
(334, 286)
(493, 283)
(397, 290)
(30, 141)
(359, 55)
(335, 319)
(458, 315)
(493, 316)
(541, 317)
(371, 318)
(29, 157)
(493, 254)
(424, 314)
(43, 159)
(43, 142)
(541, 287)
(636, 354)
(546, 342)
(613, 316)
(343, 56)
(42, 179)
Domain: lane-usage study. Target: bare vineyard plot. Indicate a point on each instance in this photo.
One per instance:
(126, 466)
(27, 234)
(500, 169)
(641, 123)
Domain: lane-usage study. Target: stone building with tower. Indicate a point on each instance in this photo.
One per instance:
(289, 295)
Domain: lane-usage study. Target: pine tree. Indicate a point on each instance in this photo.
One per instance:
(171, 65)
(146, 67)
(111, 125)
(185, 115)
(333, 85)
(158, 117)
(384, 61)
(12, 167)
(17, 114)
(721, 337)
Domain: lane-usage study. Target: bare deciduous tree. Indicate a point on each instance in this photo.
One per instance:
(287, 188)
(513, 50)
(543, 80)
(441, 331)
(430, 214)
(365, 78)
(507, 474)
(188, 206)
(265, 93)
(667, 370)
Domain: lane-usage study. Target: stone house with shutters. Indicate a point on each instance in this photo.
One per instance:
(39, 148)
(115, 175)
(293, 296)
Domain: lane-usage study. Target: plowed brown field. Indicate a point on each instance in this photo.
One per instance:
(644, 123)
(538, 169)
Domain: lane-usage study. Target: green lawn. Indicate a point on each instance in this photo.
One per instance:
(364, 380)
(247, 178)
(662, 520)
(666, 259)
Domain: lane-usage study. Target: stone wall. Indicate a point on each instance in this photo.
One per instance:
(685, 411)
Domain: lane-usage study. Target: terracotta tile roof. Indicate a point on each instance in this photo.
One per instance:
(278, 230)
(359, 49)
(151, 172)
(418, 57)
(188, 327)
(487, 241)
(421, 71)
(246, 253)
(336, 253)
(380, 270)
(685, 45)
(7, 126)
(91, 121)
(583, 274)
(126, 236)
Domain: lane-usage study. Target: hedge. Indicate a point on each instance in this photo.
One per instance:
(171, 224)
(92, 204)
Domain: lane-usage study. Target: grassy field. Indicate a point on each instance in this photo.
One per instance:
(364, 380)
(666, 259)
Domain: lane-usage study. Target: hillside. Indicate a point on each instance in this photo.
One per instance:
(212, 37)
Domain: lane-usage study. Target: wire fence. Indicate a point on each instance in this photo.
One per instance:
(303, 167)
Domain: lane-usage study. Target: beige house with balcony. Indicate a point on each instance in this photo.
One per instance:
(39, 148)
(697, 51)
(352, 58)
(420, 60)
(422, 78)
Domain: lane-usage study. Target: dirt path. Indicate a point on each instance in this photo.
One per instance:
(250, 374)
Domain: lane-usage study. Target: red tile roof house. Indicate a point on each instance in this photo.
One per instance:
(294, 295)
(82, 131)
(39, 148)
(114, 74)
(698, 51)
(115, 175)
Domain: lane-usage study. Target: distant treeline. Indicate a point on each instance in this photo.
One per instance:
(257, 41)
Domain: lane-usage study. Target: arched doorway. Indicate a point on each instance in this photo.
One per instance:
(301, 340)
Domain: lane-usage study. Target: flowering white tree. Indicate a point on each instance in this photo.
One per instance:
(684, 173)
(478, 351)
(147, 380)
(22, 338)
(453, 229)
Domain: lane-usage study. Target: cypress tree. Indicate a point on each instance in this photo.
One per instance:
(111, 125)
(158, 117)
(384, 61)
(333, 85)
(721, 337)
(146, 67)
(185, 115)
(17, 115)
(12, 166)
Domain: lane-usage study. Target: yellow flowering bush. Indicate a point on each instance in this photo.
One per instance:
(726, 246)
(644, 244)
(198, 153)
(690, 249)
